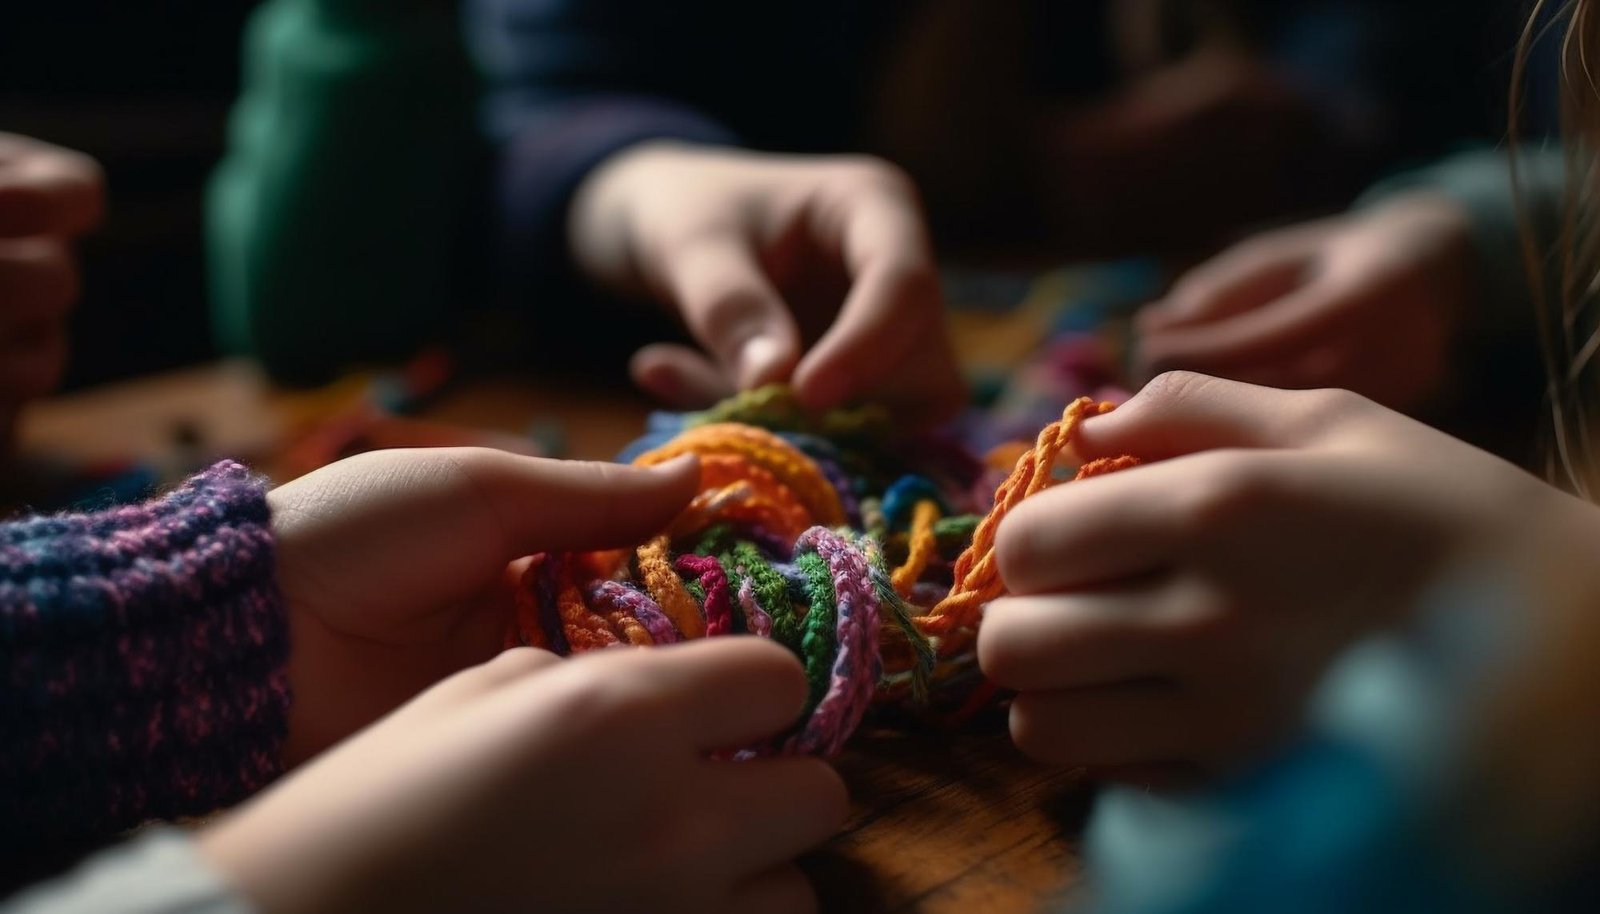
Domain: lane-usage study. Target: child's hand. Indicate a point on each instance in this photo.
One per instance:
(536, 784)
(48, 196)
(1368, 302)
(396, 565)
(1180, 612)
(764, 254)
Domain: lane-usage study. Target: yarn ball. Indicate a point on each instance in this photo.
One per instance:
(867, 553)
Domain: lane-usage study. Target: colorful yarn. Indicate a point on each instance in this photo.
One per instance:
(860, 555)
(764, 449)
(977, 574)
(924, 545)
(853, 674)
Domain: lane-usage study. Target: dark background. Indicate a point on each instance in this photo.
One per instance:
(144, 87)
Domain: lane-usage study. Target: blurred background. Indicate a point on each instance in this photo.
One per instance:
(1336, 94)
(145, 88)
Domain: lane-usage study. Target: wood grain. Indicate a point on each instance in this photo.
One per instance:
(950, 822)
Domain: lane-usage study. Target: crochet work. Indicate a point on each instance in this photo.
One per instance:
(870, 557)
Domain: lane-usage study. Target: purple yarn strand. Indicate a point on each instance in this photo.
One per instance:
(857, 665)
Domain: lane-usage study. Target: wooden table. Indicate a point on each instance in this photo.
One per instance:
(941, 822)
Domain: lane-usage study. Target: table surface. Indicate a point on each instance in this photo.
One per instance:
(940, 821)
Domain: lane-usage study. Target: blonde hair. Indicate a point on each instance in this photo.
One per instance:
(1565, 269)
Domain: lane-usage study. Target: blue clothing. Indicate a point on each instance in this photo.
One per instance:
(570, 82)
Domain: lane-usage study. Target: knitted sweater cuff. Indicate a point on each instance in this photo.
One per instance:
(143, 660)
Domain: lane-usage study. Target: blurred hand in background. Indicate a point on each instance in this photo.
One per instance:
(48, 197)
(1370, 302)
(815, 269)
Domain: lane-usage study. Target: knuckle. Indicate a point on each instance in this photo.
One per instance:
(1237, 486)
(514, 665)
(1331, 404)
(1173, 388)
(624, 697)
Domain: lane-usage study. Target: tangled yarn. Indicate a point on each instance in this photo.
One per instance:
(869, 557)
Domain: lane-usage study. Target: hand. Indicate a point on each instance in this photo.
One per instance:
(48, 196)
(1173, 618)
(1370, 302)
(396, 565)
(764, 254)
(536, 784)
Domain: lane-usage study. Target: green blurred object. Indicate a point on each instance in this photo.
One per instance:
(341, 221)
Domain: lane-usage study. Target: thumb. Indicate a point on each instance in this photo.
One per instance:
(732, 309)
(429, 525)
(1239, 280)
(548, 505)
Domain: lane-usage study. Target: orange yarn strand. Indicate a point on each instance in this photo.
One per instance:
(585, 630)
(781, 459)
(977, 575)
(658, 577)
(924, 545)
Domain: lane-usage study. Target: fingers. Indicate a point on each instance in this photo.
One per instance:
(1238, 281)
(497, 502)
(679, 376)
(781, 890)
(1181, 413)
(731, 692)
(512, 666)
(1105, 726)
(1071, 641)
(731, 307)
(774, 809)
(413, 530)
(545, 505)
(1276, 330)
(47, 190)
(32, 358)
(883, 319)
(38, 280)
(1090, 532)
(38, 284)
(890, 335)
(507, 668)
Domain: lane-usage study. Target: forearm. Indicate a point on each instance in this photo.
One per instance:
(142, 663)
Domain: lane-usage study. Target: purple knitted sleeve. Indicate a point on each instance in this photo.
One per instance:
(142, 662)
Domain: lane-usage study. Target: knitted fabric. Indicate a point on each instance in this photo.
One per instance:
(867, 556)
(142, 662)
